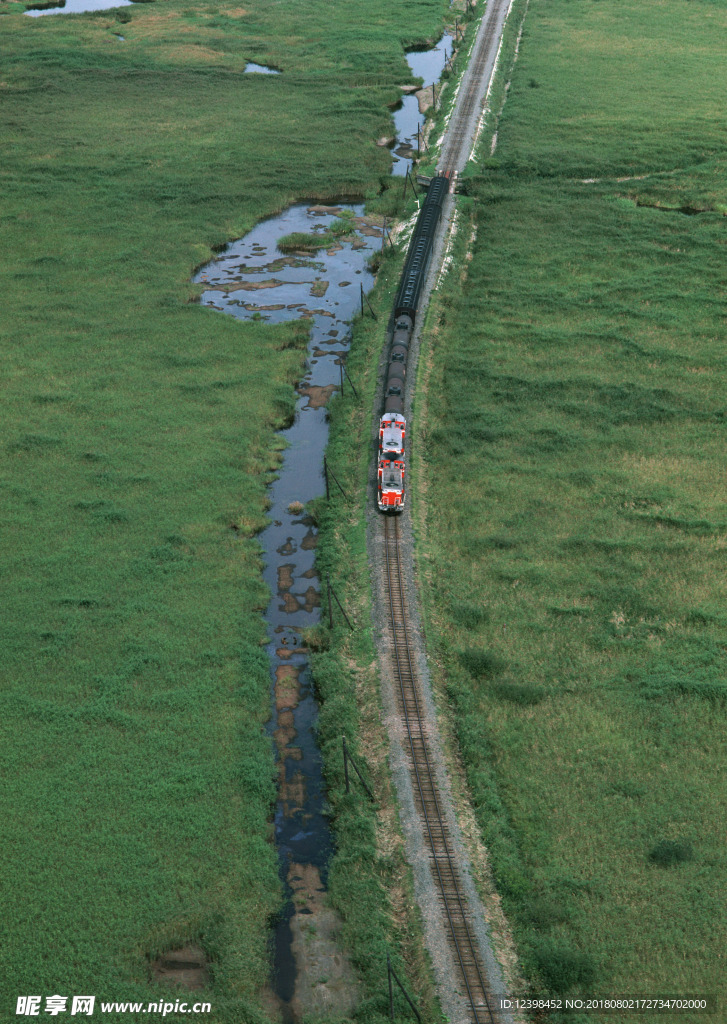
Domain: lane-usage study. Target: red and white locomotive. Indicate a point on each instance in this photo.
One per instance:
(391, 468)
(392, 433)
(391, 482)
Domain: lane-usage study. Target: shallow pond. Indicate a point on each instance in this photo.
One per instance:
(253, 278)
(429, 65)
(77, 7)
(259, 69)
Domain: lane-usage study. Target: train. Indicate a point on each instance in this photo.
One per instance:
(391, 472)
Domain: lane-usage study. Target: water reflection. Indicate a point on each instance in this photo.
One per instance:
(259, 69)
(74, 6)
(428, 65)
(253, 278)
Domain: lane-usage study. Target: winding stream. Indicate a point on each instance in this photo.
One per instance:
(428, 65)
(253, 278)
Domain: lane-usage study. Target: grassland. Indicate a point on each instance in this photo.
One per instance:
(137, 429)
(572, 503)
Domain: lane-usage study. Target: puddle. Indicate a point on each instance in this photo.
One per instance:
(429, 65)
(252, 277)
(259, 69)
(74, 6)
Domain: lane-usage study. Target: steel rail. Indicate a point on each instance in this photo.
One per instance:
(434, 822)
(462, 115)
(455, 152)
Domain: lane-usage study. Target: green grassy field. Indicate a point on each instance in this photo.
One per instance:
(137, 430)
(576, 509)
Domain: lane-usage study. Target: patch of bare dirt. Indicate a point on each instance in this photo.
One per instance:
(334, 211)
(285, 576)
(314, 312)
(291, 604)
(425, 99)
(287, 687)
(284, 736)
(327, 987)
(373, 230)
(310, 540)
(186, 967)
(305, 602)
(292, 791)
(312, 599)
(325, 984)
(246, 286)
(318, 396)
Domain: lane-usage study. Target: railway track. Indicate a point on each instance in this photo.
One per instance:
(426, 795)
(458, 141)
(455, 927)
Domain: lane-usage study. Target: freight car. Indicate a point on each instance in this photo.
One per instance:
(405, 312)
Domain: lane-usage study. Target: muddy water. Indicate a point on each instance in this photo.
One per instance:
(253, 278)
(429, 65)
